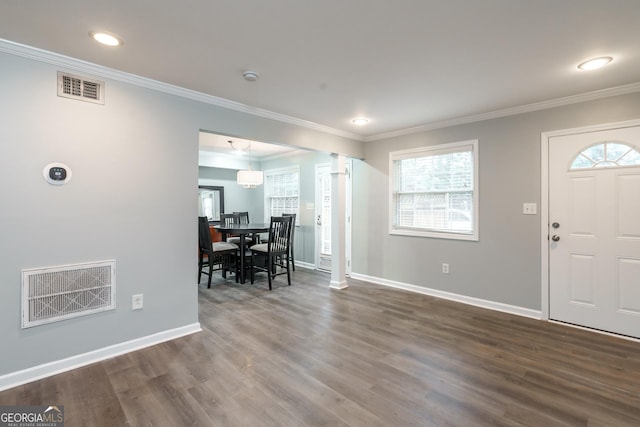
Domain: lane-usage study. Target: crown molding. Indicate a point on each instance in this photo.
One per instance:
(109, 73)
(536, 106)
(121, 76)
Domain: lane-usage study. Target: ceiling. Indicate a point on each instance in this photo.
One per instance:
(242, 148)
(401, 63)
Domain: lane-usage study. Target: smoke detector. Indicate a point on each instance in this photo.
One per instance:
(250, 76)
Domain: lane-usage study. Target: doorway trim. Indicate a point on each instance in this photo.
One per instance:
(544, 198)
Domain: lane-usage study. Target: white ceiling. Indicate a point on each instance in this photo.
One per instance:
(401, 63)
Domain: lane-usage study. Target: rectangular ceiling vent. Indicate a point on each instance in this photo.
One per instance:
(52, 294)
(80, 88)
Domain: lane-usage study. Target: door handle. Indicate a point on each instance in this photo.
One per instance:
(318, 221)
(555, 238)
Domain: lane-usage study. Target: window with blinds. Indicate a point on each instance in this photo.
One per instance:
(434, 191)
(282, 192)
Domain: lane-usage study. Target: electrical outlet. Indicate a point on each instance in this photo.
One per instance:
(136, 302)
(445, 268)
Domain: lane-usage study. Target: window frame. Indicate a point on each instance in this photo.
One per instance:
(267, 195)
(596, 164)
(427, 151)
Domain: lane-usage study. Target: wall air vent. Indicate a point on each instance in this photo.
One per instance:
(52, 294)
(80, 88)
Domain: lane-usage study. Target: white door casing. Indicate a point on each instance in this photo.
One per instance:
(594, 266)
(348, 213)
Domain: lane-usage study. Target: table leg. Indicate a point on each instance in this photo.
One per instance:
(224, 239)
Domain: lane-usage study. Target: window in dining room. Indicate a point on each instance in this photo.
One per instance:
(282, 191)
(433, 191)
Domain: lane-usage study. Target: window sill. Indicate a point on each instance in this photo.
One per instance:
(434, 234)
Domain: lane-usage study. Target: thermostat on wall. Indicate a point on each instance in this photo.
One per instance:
(57, 173)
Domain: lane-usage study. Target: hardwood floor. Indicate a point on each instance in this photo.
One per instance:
(306, 355)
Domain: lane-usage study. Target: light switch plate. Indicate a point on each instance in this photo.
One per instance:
(137, 302)
(529, 209)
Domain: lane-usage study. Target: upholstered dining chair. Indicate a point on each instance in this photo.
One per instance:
(227, 219)
(293, 235)
(241, 218)
(275, 252)
(214, 256)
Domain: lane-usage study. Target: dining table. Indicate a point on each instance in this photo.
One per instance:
(242, 230)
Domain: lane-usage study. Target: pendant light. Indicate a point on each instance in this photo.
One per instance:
(249, 178)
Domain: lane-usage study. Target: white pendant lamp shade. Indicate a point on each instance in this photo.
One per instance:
(250, 178)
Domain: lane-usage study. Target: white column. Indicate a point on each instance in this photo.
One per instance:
(338, 227)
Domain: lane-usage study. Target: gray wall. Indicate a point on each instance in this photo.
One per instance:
(504, 266)
(121, 204)
(133, 198)
(236, 198)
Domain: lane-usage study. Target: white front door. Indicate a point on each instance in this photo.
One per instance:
(594, 229)
(323, 217)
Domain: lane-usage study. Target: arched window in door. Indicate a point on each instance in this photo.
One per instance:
(610, 154)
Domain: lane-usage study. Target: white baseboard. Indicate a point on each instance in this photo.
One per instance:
(342, 284)
(15, 379)
(306, 265)
(491, 305)
(332, 284)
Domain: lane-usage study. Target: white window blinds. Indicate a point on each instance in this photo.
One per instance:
(433, 190)
(282, 189)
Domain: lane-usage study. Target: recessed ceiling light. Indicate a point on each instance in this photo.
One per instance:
(106, 38)
(594, 64)
(360, 121)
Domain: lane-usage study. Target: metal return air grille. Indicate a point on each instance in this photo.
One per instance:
(80, 88)
(58, 293)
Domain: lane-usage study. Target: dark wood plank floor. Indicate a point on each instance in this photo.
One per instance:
(306, 355)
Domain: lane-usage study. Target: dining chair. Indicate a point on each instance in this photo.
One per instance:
(275, 252)
(243, 217)
(227, 220)
(214, 256)
(293, 235)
